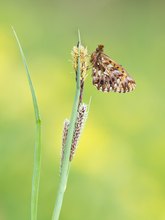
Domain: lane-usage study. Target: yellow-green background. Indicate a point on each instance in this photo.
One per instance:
(119, 169)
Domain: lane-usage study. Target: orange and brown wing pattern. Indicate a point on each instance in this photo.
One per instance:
(108, 75)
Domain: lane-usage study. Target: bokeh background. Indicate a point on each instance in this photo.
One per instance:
(119, 169)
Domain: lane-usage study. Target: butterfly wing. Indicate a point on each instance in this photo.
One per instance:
(108, 75)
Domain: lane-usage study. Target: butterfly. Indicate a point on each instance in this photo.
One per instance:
(108, 75)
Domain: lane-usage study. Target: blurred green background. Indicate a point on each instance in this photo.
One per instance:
(119, 169)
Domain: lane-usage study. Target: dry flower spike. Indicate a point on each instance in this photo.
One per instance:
(81, 119)
(83, 60)
(80, 122)
(108, 75)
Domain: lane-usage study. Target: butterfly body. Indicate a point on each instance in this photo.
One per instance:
(108, 75)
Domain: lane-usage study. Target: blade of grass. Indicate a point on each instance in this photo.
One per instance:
(66, 163)
(37, 151)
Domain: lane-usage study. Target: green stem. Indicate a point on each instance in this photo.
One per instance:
(36, 172)
(65, 164)
(37, 153)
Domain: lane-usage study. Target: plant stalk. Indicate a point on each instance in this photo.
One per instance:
(66, 162)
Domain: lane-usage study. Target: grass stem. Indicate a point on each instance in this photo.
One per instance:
(66, 163)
